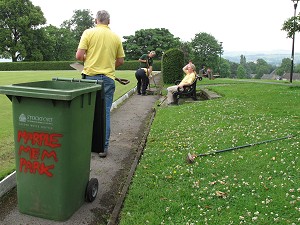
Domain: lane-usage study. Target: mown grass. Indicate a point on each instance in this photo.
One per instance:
(255, 185)
(6, 125)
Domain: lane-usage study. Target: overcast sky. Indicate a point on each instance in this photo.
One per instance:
(242, 25)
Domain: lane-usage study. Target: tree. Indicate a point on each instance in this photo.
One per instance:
(145, 40)
(80, 21)
(288, 26)
(18, 19)
(61, 44)
(185, 47)
(241, 72)
(233, 69)
(34, 43)
(243, 60)
(205, 50)
(225, 68)
(285, 67)
(251, 67)
(262, 67)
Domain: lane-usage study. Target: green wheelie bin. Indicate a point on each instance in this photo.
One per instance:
(53, 129)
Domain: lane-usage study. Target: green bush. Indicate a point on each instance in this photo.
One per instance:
(45, 65)
(64, 65)
(172, 63)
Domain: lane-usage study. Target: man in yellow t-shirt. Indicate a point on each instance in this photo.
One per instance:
(102, 52)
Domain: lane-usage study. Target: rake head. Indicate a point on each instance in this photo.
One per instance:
(190, 158)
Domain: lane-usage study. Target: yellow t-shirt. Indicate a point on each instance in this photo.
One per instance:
(188, 79)
(102, 47)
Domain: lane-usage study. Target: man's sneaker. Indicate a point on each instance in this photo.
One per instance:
(103, 154)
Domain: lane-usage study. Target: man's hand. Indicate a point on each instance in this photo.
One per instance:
(122, 81)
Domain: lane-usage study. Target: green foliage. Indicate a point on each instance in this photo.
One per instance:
(134, 65)
(57, 44)
(251, 67)
(285, 66)
(262, 67)
(145, 40)
(233, 69)
(186, 48)
(225, 68)
(246, 69)
(205, 50)
(172, 64)
(241, 72)
(18, 19)
(80, 21)
(19, 66)
(64, 65)
(291, 25)
(243, 60)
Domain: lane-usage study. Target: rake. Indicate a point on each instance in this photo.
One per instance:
(191, 157)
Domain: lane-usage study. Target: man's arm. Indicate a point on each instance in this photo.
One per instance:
(80, 55)
(143, 59)
(150, 70)
(119, 62)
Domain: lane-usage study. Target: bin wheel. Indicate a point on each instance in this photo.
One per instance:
(91, 190)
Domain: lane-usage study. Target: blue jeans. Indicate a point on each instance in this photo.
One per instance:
(109, 90)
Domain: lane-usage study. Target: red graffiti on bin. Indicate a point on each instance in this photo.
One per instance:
(35, 166)
(40, 139)
(32, 141)
(34, 153)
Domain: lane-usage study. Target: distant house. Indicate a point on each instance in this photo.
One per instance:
(270, 76)
(286, 76)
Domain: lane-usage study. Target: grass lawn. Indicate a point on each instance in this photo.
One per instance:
(254, 185)
(7, 160)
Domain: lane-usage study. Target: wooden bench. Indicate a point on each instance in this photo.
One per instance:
(187, 91)
(212, 76)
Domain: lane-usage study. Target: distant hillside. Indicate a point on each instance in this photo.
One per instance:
(273, 57)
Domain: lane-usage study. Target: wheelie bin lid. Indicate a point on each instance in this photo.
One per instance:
(56, 90)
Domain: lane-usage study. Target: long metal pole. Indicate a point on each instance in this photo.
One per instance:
(293, 46)
(220, 58)
(191, 157)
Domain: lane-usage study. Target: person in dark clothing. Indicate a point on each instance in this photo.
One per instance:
(202, 71)
(143, 73)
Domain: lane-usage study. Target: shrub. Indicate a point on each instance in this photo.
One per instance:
(45, 65)
(64, 65)
(172, 63)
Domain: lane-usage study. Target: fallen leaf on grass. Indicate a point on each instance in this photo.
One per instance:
(221, 194)
(265, 186)
(213, 182)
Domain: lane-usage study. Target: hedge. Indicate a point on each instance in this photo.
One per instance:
(172, 63)
(65, 65)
